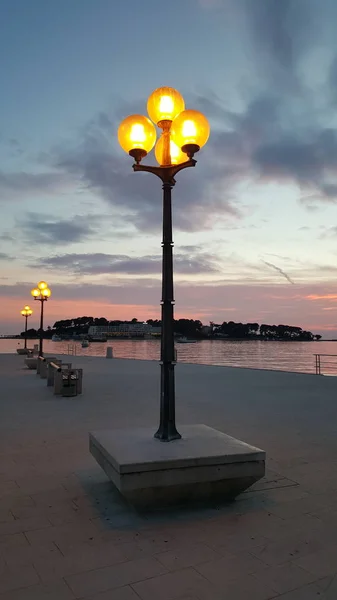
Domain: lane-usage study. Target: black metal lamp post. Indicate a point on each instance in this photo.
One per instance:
(26, 312)
(41, 293)
(184, 132)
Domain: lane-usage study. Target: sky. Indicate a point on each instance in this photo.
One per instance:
(255, 226)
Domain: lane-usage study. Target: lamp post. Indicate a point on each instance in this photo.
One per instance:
(26, 312)
(41, 293)
(184, 132)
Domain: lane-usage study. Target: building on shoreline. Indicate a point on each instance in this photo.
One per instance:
(124, 330)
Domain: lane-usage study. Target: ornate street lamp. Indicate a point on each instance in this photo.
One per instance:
(41, 293)
(26, 312)
(184, 132)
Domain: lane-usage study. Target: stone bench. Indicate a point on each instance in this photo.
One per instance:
(53, 368)
(68, 382)
(31, 362)
(42, 365)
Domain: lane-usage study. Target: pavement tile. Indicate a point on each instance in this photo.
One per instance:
(186, 582)
(221, 570)
(320, 564)
(287, 549)
(14, 539)
(27, 554)
(101, 580)
(187, 556)
(63, 535)
(56, 591)
(51, 567)
(14, 577)
(284, 578)
(24, 525)
(8, 488)
(307, 592)
(37, 510)
(6, 515)
(124, 593)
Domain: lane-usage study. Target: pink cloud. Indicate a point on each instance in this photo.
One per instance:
(303, 305)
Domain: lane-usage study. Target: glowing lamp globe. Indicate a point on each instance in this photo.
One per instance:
(23, 312)
(137, 136)
(164, 104)
(42, 285)
(177, 155)
(46, 293)
(190, 131)
(26, 307)
(35, 292)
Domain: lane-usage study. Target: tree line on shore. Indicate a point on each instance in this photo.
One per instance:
(191, 328)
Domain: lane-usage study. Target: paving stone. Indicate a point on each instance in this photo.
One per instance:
(53, 566)
(27, 554)
(307, 592)
(230, 567)
(6, 515)
(186, 582)
(14, 577)
(10, 540)
(284, 578)
(187, 556)
(56, 591)
(64, 535)
(115, 576)
(24, 525)
(124, 593)
(320, 564)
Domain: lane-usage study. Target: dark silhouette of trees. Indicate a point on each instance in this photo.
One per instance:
(193, 328)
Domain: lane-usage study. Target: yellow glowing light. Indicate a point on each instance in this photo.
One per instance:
(190, 127)
(164, 104)
(42, 285)
(26, 307)
(46, 293)
(137, 132)
(35, 292)
(23, 312)
(177, 156)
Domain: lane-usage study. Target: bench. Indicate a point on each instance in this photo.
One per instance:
(42, 365)
(68, 382)
(55, 367)
(31, 362)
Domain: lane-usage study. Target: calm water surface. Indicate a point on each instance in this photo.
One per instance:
(284, 356)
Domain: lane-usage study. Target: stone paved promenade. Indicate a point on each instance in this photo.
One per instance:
(65, 533)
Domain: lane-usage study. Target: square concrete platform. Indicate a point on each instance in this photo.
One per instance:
(205, 464)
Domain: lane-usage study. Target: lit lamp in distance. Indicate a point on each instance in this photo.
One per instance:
(41, 293)
(26, 312)
(183, 133)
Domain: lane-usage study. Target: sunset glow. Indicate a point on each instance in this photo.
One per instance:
(254, 223)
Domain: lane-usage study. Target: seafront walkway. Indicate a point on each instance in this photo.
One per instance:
(65, 533)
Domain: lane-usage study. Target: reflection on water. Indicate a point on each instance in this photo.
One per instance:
(291, 356)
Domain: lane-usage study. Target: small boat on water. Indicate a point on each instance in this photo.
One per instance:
(85, 344)
(56, 338)
(184, 340)
(98, 338)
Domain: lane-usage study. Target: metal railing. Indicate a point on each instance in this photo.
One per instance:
(72, 349)
(323, 362)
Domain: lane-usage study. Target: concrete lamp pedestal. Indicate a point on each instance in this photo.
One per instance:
(205, 465)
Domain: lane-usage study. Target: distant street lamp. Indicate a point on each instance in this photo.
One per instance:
(184, 132)
(41, 293)
(26, 312)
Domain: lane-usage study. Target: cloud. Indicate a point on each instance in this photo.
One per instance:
(283, 273)
(100, 263)
(49, 230)
(5, 256)
(280, 128)
(21, 185)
